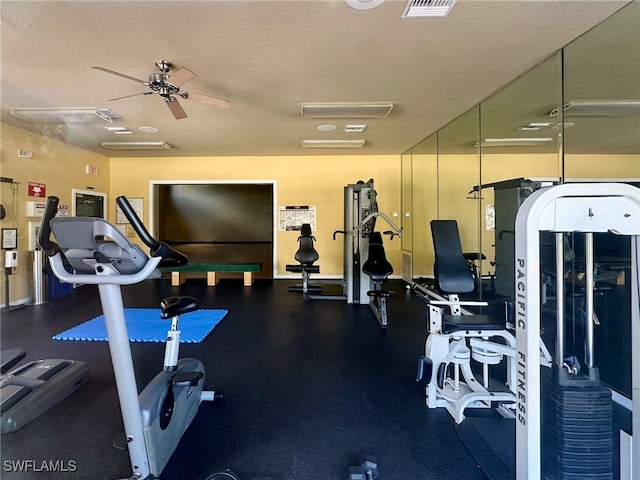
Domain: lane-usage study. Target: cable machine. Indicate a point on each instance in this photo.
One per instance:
(360, 214)
(585, 208)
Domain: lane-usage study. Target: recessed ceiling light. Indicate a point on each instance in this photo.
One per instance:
(327, 128)
(364, 4)
(148, 129)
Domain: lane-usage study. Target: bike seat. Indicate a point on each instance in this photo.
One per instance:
(177, 305)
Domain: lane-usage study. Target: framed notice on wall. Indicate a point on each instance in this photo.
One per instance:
(293, 216)
(88, 203)
(138, 206)
(9, 238)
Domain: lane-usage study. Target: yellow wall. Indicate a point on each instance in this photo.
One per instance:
(602, 166)
(308, 180)
(60, 167)
(439, 184)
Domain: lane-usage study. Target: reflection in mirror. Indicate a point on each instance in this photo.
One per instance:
(425, 203)
(602, 99)
(519, 154)
(458, 171)
(406, 204)
(602, 143)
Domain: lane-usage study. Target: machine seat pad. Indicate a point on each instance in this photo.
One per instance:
(377, 266)
(306, 253)
(302, 268)
(457, 323)
(177, 305)
(381, 293)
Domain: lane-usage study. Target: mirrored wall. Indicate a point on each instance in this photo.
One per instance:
(574, 117)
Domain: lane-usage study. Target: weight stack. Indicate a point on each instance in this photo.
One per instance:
(577, 442)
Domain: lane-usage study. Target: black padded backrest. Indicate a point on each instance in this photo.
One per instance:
(306, 253)
(451, 270)
(305, 230)
(377, 266)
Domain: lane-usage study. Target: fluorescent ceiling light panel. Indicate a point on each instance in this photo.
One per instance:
(346, 110)
(535, 126)
(428, 8)
(513, 142)
(119, 130)
(63, 115)
(599, 108)
(136, 145)
(333, 143)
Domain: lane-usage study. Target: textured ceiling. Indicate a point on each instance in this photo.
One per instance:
(269, 57)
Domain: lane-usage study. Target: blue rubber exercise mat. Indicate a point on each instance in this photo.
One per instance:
(145, 325)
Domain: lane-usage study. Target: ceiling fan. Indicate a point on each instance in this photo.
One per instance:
(168, 86)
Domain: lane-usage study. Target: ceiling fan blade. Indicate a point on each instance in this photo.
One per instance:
(199, 97)
(181, 77)
(175, 108)
(127, 96)
(120, 74)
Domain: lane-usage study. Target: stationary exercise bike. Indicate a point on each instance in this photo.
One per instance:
(95, 252)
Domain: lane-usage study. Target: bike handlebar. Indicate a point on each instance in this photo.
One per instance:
(170, 256)
(44, 233)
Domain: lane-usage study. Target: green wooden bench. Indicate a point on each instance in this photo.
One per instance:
(212, 269)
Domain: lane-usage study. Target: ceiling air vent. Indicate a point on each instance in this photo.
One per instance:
(428, 8)
(346, 110)
(351, 128)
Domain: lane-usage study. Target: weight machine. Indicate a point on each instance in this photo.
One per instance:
(360, 215)
(589, 208)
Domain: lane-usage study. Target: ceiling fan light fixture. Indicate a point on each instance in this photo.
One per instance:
(136, 145)
(347, 110)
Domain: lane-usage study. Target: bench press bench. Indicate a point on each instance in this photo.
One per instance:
(177, 273)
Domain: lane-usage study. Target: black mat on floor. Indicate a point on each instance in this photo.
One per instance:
(491, 442)
(311, 386)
